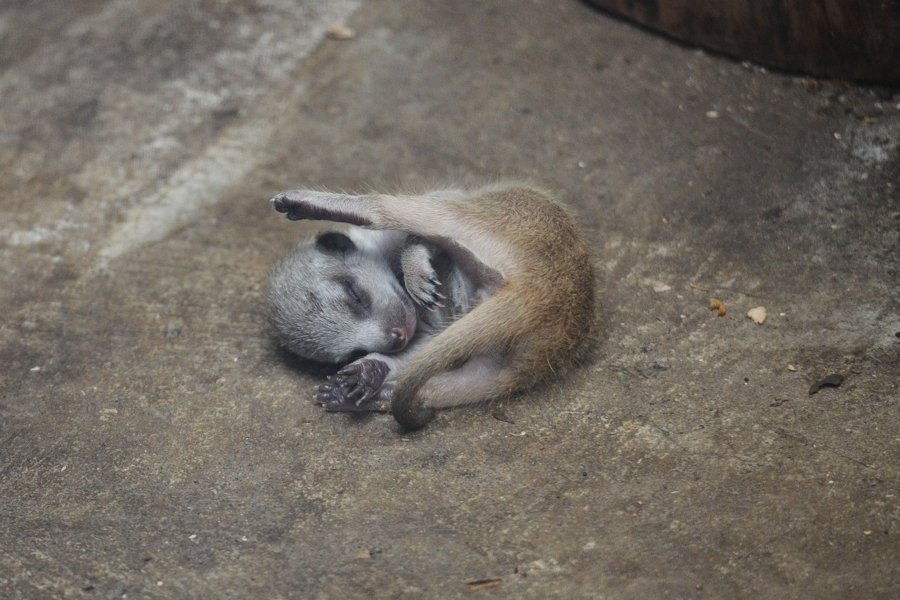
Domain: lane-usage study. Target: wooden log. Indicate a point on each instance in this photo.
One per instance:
(847, 39)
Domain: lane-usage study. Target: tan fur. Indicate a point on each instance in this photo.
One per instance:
(533, 288)
(540, 319)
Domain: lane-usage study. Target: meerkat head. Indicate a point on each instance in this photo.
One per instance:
(331, 301)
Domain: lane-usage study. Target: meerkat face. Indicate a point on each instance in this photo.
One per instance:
(332, 302)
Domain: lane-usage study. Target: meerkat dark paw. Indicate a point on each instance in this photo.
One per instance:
(298, 205)
(296, 208)
(355, 388)
(332, 399)
(362, 378)
(286, 203)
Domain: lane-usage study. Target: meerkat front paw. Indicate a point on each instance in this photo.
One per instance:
(355, 388)
(419, 277)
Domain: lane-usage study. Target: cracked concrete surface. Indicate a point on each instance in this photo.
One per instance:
(155, 443)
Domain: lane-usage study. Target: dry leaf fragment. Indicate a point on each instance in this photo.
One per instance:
(834, 380)
(502, 416)
(717, 305)
(758, 314)
(339, 31)
(791, 367)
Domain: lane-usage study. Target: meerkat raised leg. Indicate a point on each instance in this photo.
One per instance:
(434, 217)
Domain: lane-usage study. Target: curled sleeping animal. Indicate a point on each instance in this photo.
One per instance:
(433, 300)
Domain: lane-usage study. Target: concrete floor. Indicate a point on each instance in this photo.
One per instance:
(155, 443)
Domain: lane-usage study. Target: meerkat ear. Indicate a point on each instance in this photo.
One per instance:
(334, 242)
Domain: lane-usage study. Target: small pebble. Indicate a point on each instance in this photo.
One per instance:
(339, 31)
(758, 314)
(834, 380)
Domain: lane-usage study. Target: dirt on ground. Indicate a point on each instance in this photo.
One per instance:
(155, 442)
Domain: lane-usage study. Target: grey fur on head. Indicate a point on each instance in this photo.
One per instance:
(330, 300)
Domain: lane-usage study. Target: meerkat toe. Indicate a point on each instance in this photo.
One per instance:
(293, 207)
(278, 203)
(423, 290)
(328, 396)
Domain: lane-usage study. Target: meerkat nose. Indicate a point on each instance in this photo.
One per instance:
(398, 337)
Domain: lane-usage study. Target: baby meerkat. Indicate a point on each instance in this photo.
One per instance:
(499, 295)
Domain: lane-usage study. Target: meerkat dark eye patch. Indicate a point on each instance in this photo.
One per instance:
(335, 242)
